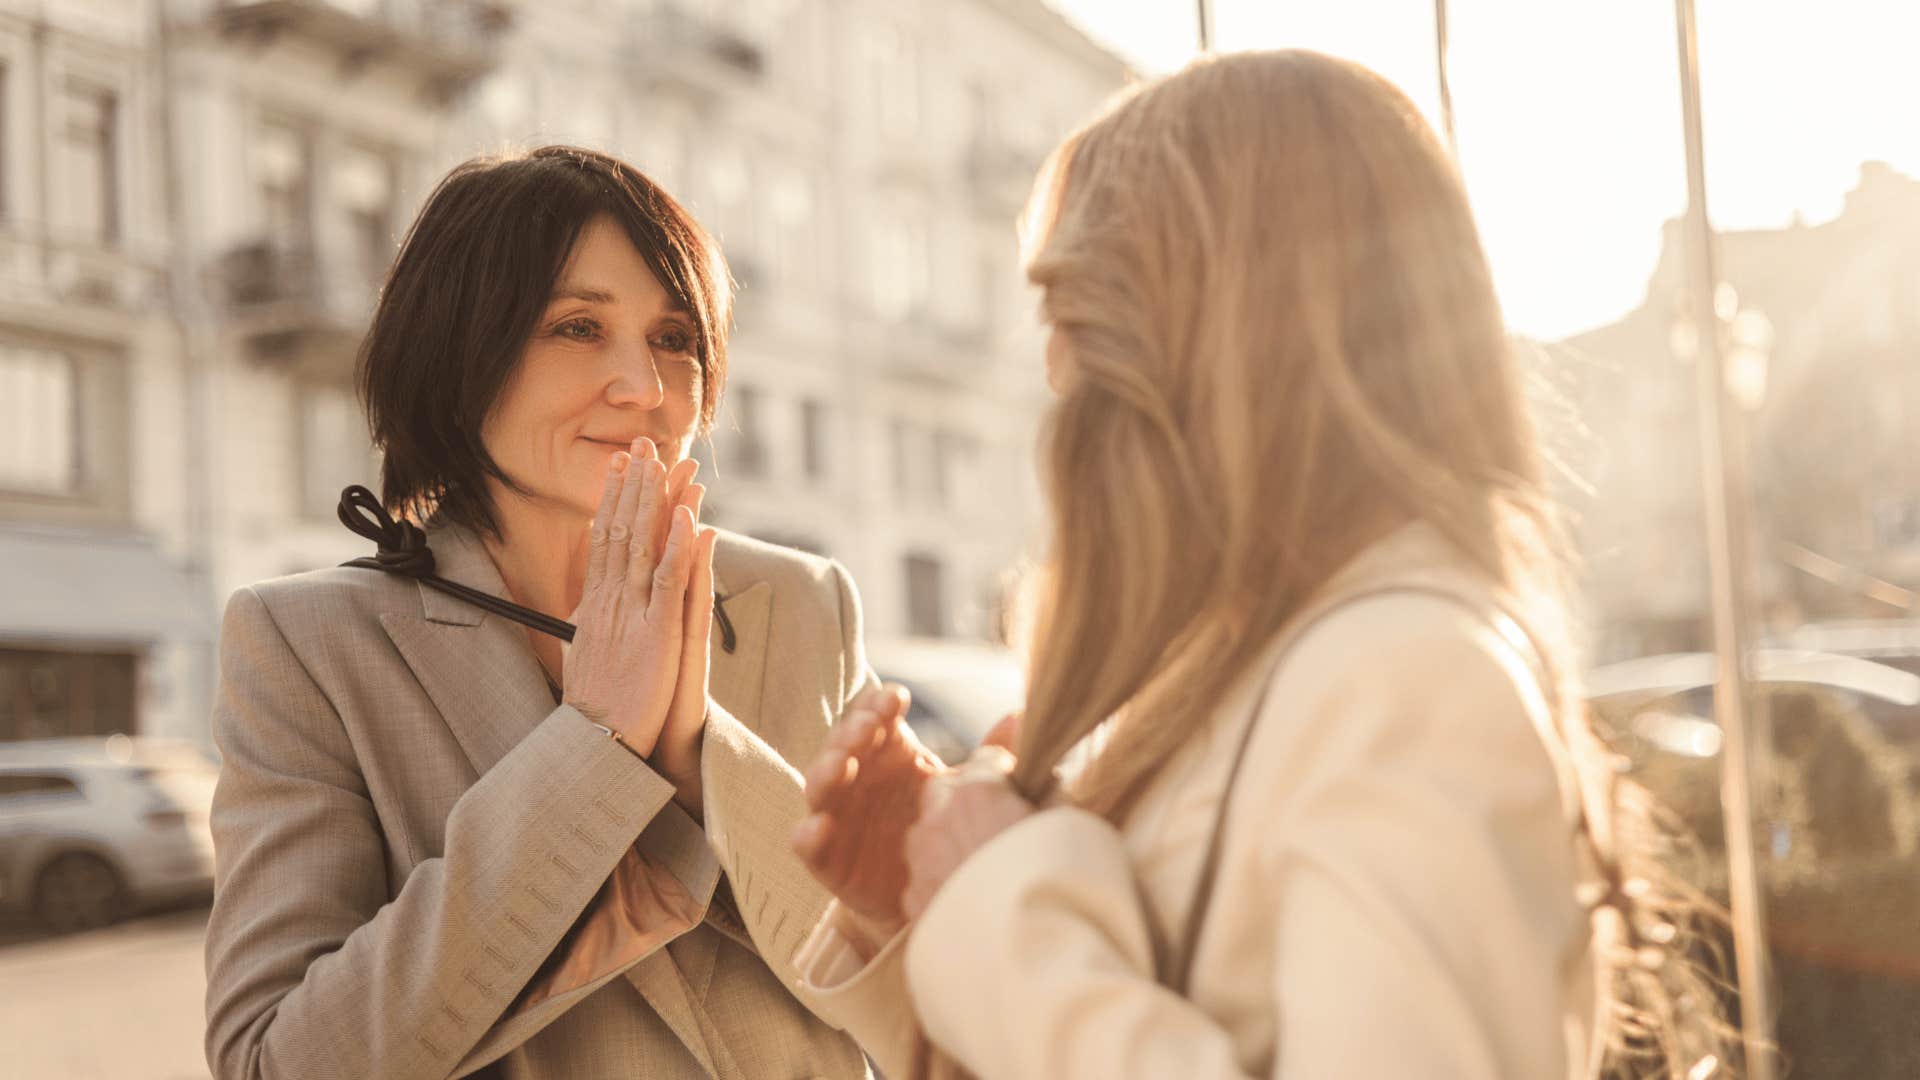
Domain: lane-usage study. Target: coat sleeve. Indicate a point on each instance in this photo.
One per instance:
(1406, 854)
(311, 970)
(753, 799)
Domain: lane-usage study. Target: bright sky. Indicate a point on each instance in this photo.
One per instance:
(1568, 115)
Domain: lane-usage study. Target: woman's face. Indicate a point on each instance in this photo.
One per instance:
(612, 358)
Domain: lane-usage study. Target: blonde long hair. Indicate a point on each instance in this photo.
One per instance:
(1285, 345)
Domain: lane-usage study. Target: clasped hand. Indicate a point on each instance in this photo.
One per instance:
(890, 823)
(639, 657)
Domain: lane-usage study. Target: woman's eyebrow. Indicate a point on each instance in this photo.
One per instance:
(581, 292)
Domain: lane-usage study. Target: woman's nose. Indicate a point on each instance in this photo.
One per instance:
(636, 380)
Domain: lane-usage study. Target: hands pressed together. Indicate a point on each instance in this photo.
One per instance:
(889, 822)
(638, 663)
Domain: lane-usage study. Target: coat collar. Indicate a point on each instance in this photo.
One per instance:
(480, 669)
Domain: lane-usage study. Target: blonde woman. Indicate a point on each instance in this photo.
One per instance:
(1302, 788)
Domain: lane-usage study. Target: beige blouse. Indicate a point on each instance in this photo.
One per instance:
(1395, 896)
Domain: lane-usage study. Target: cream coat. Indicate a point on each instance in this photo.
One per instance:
(406, 827)
(1395, 896)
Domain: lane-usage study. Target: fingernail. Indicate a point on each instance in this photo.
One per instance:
(618, 463)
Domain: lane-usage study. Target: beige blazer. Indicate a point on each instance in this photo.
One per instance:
(406, 827)
(1395, 895)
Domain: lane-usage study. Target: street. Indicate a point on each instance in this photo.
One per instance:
(124, 1003)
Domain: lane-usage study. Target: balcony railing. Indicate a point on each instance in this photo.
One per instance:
(674, 45)
(451, 42)
(283, 300)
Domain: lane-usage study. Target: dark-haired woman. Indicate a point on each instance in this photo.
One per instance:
(449, 844)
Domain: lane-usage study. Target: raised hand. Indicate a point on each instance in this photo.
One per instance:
(960, 810)
(624, 663)
(865, 790)
(678, 753)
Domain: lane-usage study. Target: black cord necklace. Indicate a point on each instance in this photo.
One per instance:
(402, 549)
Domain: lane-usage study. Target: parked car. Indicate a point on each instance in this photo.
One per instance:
(93, 829)
(1838, 772)
(1837, 826)
(959, 689)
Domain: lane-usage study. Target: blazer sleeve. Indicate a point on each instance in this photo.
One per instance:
(1410, 858)
(753, 797)
(311, 971)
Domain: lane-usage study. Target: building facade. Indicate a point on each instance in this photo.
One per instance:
(198, 199)
(1826, 320)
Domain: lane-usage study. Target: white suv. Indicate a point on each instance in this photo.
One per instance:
(91, 829)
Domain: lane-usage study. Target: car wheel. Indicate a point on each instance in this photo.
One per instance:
(77, 891)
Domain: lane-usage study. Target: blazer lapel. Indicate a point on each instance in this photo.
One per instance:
(489, 689)
(735, 681)
(736, 677)
(479, 670)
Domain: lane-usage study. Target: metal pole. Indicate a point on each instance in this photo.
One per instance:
(1726, 488)
(1206, 25)
(1446, 87)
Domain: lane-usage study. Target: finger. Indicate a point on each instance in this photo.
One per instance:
(854, 731)
(810, 839)
(642, 553)
(1004, 733)
(620, 525)
(829, 774)
(697, 619)
(694, 498)
(678, 478)
(597, 533)
(669, 597)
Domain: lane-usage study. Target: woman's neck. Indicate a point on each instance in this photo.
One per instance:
(541, 554)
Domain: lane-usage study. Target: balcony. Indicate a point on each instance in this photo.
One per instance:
(291, 307)
(672, 46)
(447, 42)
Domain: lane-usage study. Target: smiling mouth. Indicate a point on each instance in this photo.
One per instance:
(621, 445)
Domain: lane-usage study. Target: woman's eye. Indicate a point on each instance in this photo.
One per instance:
(578, 329)
(676, 341)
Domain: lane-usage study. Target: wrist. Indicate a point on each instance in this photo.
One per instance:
(678, 760)
(629, 744)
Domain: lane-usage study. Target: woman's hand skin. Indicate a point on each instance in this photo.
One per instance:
(864, 790)
(678, 753)
(960, 811)
(625, 661)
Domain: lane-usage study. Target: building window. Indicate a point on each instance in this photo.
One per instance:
(898, 266)
(282, 169)
(40, 447)
(749, 442)
(787, 240)
(335, 449)
(926, 595)
(363, 185)
(813, 435)
(51, 694)
(89, 139)
(893, 82)
(901, 439)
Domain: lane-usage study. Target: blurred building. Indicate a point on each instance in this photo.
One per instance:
(1833, 311)
(198, 198)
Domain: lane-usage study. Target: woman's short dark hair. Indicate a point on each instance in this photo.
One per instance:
(467, 291)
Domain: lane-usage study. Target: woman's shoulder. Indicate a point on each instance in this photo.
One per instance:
(739, 561)
(323, 601)
(1406, 656)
